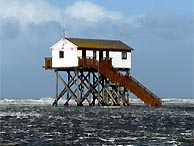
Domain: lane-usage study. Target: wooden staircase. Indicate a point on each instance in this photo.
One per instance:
(104, 66)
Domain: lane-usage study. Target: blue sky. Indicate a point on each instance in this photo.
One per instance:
(160, 31)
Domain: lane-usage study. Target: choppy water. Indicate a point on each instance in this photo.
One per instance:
(32, 124)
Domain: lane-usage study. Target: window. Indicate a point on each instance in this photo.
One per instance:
(61, 54)
(94, 54)
(124, 55)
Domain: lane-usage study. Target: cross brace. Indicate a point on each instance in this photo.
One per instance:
(87, 87)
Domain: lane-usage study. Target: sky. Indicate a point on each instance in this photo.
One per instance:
(160, 31)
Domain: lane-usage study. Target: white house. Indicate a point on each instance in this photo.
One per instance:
(78, 57)
(65, 52)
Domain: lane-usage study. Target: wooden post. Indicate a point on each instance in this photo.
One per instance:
(56, 87)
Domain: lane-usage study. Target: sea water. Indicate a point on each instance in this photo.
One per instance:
(36, 122)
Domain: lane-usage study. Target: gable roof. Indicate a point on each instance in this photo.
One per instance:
(98, 44)
(63, 43)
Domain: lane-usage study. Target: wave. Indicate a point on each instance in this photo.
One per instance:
(49, 101)
(178, 100)
(27, 101)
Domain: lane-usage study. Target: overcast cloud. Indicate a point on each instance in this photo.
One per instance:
(162, 39)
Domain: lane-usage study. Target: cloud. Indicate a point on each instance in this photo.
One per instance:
(33, 11)
(163, 43)
(165, 40)
(37, 12)
(9, 28)
(91, 12)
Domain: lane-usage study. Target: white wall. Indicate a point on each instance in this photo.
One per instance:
(90, 54)
(117, 60)
(70, 54)
(79, 53)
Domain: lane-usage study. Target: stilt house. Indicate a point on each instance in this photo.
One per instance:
(81, 59)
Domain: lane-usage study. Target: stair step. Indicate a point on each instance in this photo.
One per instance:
(108, 71)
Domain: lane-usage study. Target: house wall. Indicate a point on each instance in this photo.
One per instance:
(90, 54)
(79, 53)
(117, 60)
(70, 54)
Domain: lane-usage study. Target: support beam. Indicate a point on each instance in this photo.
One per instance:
(68, 88)
(89, 86)
(56, 97)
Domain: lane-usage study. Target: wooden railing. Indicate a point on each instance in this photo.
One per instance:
(48, 63)
(105, 67)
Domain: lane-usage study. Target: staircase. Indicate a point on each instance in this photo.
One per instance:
(107, 70)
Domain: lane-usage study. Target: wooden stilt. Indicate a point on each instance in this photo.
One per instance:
(89, 86)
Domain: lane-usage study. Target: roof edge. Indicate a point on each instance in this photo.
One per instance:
(103, 40)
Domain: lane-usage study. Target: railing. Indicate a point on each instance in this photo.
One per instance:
(48, 63)
(91, 62)
(105, 67)
(143, 87)
(132, 84)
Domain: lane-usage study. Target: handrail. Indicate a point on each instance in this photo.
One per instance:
(144, 87)
(105, 67)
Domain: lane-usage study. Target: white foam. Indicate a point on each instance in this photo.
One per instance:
(19, 114)
(167, 101)
(129, 138)
(178, 100)
(107, 140)
(116, 117)
(27, 101)
(49, 101)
